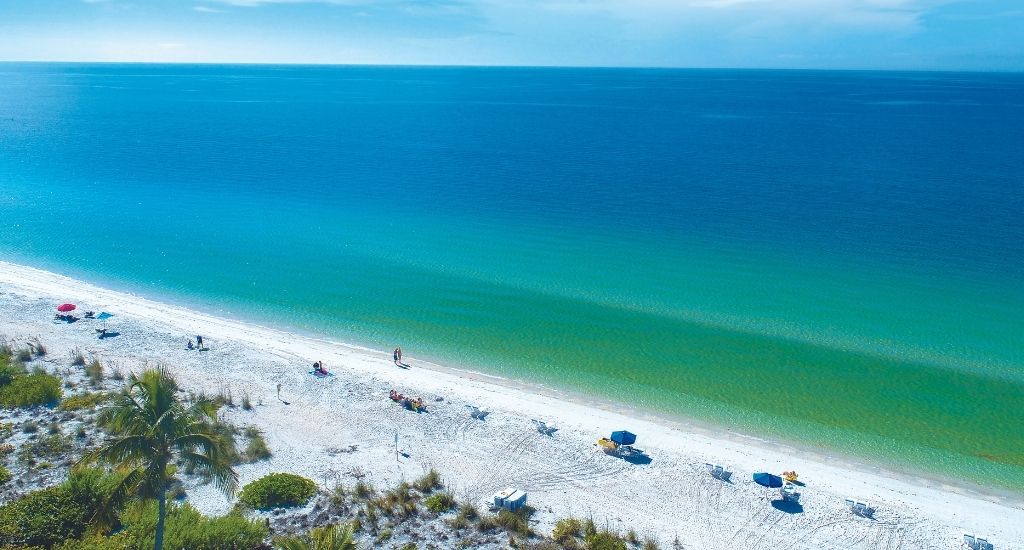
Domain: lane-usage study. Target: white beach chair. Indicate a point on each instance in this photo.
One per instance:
(861, 509)
(976, 543)
(477, 412)
(718, 471)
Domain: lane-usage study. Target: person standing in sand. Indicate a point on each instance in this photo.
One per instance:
(199, 342)
(399, 355)
(394, 354)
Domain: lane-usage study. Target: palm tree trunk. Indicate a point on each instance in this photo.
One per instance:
(161, 513)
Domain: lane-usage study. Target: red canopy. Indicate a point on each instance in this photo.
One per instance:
(64, 308)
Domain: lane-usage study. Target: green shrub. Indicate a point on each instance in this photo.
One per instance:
(31, 390)
(566, 529)
(439, 503)
(517, 522)
(5, 475)
(468, 511)
(650, 544)
(48, 446)
(364, 489)
(257, 448)
(94, 370)
(77, 358)
(278, 490)
(8, 372)
(24, 355)
(605, 540)
(187, 528)
(83, 401)
(6, 430)
(29, 427)
(430, 481)
(49, 516)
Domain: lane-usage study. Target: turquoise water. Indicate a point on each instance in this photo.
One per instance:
(830, 257)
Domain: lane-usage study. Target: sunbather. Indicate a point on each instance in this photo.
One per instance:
(190, 346)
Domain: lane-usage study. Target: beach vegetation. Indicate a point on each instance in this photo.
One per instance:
(516, 522)
(257, 449)
(29, 390)
(77, 358)
(94, 371)
(364, 490)
(184, 528)
(246, 402)
(53, 428)
(428, 482)
(50, 516)
(468, 510)
(650, 544)
(330, 537)
(24, 355)
(440, 502)
(38, 348)
(116, 374)
(457, 523)
(48, 446)
(486, 524)
(83, 401)
(605, 540)
(5, 474)
(278, 490)
(151, 430)
(566, 531)
(6, 430)
(8, 371)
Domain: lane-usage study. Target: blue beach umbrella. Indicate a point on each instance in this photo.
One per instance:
(622, 437)
(103, 316)
(768, 480)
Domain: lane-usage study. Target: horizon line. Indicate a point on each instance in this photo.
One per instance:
(507, 66)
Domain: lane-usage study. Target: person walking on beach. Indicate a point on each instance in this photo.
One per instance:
(399, 355)
(199, 342)
(395, 355)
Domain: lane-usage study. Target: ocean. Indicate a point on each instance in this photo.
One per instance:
(829, 258)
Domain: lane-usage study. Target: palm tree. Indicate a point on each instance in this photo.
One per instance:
(331, 537)
(154, 430)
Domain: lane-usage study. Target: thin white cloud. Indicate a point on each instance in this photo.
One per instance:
(206, 9)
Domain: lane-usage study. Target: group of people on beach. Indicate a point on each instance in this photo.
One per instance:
(198, 345)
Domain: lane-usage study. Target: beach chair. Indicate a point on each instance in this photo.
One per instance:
(718, 471)
(543, 427)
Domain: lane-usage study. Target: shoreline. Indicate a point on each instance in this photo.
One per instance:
(686, 442)
(681, 422)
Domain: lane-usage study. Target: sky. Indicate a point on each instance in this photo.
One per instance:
(982, 35)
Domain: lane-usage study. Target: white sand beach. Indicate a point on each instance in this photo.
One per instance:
(334, 428)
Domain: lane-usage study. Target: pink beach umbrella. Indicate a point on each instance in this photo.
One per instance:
(64, 308)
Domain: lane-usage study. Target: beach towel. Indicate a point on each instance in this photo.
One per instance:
(320, 374)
